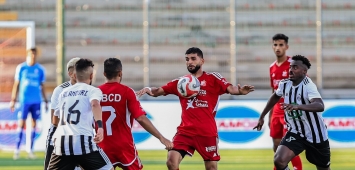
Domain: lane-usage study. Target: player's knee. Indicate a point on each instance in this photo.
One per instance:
(279, 162)
(171, 164)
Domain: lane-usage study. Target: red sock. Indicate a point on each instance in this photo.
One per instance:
(297, 163)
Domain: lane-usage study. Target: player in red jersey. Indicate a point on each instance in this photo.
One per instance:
(279, 70)
(120, 106)
(198, 130)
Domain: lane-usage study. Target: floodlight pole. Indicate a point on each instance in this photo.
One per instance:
(60, 42)
(146, 43)
(233, 57)
(319, 44)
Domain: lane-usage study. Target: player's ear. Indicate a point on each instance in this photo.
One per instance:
(104, 74)
(74, 75)
(286, 46)
(91, 76)
(120, 73)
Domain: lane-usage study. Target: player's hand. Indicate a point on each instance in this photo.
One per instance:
(99, 135)
(245, 89)
(259, 125)
(144, 91)
(168, 144)
(12, 106)
(289, 107)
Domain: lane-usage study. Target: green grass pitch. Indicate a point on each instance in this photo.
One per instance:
(341, 159)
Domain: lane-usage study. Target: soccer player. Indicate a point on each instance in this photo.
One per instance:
(303, 107)
(54, 103)
(279, 71)
(29, 86)
(120, 106)
(198, 130)
(74, 140)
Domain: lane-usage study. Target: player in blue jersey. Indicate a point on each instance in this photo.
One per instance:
(28, 86)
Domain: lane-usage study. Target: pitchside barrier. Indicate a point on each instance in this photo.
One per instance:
(235, 122)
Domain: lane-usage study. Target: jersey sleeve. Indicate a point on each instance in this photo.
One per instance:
(55, 97)
(95, 93)
(221, 83)
(312, 91)
(133, 104)
(18, 72)
(171, 87)
(280, 88)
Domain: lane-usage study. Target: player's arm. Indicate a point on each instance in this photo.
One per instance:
(271, 110)
(97, 111)
(238, 90)
(14, 94)
(269, 105)
(316, 105)
(151, 91)
(149, 127)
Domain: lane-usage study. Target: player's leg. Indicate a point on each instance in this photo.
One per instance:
(35, 110)
(21, 116)
(290, 146)
(62, 162)
(95, 160)
(319, 155)
(207, 147)
(296, 161)
(276, 132)
(182, 147)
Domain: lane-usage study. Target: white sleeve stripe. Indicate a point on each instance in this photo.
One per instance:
(217, 75)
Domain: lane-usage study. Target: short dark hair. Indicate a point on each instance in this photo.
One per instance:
(112, 66)
(194, 50)
(34, 50)
(304, 60)
(81, 66)
(280, 37)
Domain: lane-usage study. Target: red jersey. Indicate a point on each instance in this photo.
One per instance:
(119, 107)
(278, 73)
(198, 113)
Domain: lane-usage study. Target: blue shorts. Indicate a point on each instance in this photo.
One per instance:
(34, 108)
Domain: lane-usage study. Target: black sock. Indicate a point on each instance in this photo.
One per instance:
(286, 168)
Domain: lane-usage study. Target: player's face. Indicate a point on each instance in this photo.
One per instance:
(297, 70)
(279, 47)
(31, 57)
(193, 62)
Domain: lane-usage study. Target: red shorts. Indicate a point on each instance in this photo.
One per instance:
(122, 160)
(278, 127)
(206, 146)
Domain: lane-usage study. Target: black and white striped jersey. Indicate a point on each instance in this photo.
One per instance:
(306, 124)
(74, 134)
(56, 92)
(54, 103)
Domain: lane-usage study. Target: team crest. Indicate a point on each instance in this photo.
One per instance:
(284, 73)
(273, 75)
(203, 83)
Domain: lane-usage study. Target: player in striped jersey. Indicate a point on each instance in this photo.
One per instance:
(303, 107)
(54, 102)
(74, 140)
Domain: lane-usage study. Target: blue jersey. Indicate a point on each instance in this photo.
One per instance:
(31, 79)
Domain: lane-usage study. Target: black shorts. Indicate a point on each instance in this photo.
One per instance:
(316, 153)
(93, 160)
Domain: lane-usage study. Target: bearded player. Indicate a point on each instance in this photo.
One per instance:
(198, 130)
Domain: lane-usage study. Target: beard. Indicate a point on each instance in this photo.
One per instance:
(194, 70)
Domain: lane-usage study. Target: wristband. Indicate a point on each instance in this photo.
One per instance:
(99, 123)
(150, 89)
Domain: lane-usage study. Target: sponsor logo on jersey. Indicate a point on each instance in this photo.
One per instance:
(194, 102)
(9, 125)
(340, 121)
(203, 83)
(139, 133)
(235, 124)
